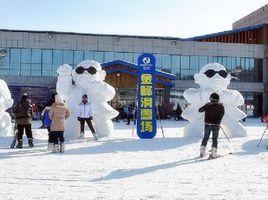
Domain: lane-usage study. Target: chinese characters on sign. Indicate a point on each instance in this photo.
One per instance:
(146, 121)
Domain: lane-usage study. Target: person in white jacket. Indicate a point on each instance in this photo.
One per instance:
(85, 114)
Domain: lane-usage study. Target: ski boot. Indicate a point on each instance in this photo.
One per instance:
(95, 136)
(30, 142)
(82, 135)
(49, 146)
(213, 153)
(55, 148)
(62, 147)
(202, 151)
(20, 143)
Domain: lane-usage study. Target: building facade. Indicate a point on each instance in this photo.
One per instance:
(257, 17)
(33, 58)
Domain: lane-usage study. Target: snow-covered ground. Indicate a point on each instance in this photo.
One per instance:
(125, 167)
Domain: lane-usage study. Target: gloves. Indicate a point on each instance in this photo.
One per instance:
(91, 118)
(78, 118)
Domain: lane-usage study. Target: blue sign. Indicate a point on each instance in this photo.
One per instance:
(146, 119)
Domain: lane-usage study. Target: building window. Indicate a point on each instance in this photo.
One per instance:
(68, 58)
(108, 56)
(98, 56)
(78, 57)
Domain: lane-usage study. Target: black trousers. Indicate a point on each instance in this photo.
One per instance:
(89, 123)
(57, 136)
(215, 134)
(28, 130)
(50, 139)
(129, 117)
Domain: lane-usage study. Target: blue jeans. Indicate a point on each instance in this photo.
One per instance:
(215, 134)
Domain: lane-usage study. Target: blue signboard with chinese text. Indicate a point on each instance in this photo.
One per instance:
(146, 119)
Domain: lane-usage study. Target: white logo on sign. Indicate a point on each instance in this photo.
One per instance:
(146, 60)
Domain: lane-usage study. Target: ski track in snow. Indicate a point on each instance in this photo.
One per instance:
(125, 167)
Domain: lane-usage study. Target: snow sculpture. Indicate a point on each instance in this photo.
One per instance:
(88, 79)
(213, 77)
(5, 102)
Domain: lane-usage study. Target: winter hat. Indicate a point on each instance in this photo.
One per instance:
(58, 98)
(214, 97)
(24, 96)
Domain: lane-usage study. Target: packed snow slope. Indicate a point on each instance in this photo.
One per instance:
(125, 167)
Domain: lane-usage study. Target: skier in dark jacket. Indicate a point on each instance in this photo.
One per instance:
(23, 116)
(214, 112)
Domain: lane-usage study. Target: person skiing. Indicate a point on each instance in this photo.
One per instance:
(47, 121)
(23, 116)
(85, 114)
(214, 112)
(58, 114)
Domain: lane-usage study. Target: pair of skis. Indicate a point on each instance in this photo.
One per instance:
(203, 158)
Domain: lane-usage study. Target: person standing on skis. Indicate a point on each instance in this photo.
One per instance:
(214, 112)
(85, 114)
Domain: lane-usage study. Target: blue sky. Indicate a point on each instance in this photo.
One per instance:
(177, 18)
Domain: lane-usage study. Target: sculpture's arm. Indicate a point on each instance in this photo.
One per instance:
(103, 91)
(64, 83)
(231, 98)
(5, 96)
(197, 96)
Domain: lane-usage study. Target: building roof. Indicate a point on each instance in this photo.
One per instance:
(197, 38)
(159, 73)
(93, 34)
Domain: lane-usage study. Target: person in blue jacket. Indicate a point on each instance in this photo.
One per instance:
(47, 122)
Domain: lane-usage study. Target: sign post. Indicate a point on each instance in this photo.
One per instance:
(146, 119)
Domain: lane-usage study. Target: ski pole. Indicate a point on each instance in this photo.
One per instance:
(161, 128)
(133, 127)
(225, 135)
(227, 139)
(160, 123)
(262, 137)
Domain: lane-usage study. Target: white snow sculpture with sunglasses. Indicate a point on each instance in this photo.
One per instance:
(87, 78)
(213, 77)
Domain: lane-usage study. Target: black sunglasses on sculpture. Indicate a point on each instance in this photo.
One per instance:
(210, 73)
(91, 70)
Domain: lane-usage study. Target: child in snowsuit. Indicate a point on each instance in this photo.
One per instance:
(214, 112)
(58, 114)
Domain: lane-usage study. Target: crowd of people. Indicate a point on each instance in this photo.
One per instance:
(54, 117)
(129, 112)
(56, 113)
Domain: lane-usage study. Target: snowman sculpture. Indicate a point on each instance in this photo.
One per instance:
(5, 102)
(213, 78)
(87, 78)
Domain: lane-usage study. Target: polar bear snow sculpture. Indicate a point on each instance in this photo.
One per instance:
(213, 77)
(89, 79)
(5, 102)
